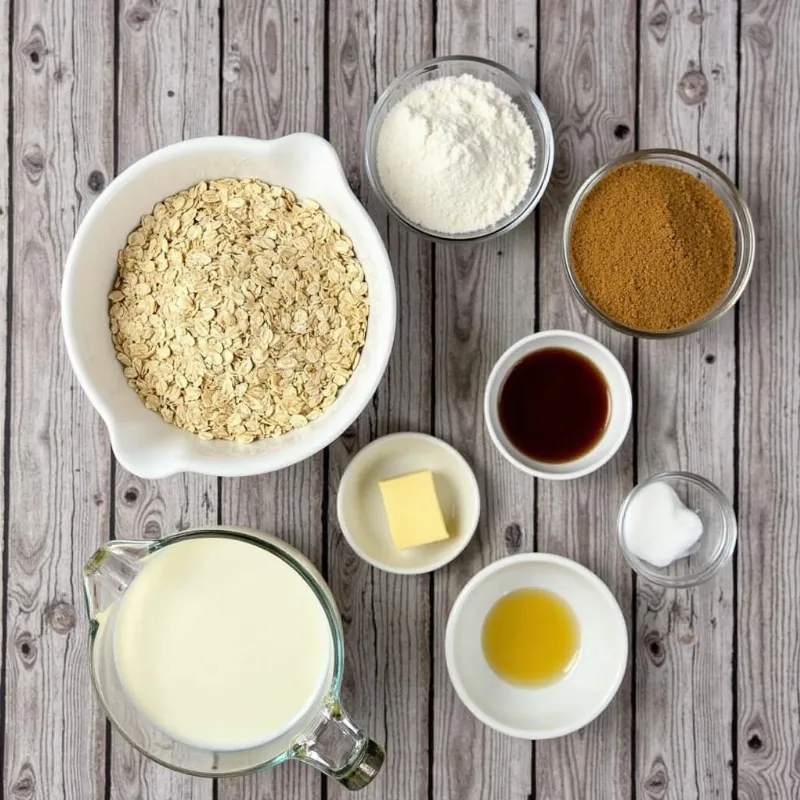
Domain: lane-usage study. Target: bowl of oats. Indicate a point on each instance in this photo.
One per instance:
(228, 306)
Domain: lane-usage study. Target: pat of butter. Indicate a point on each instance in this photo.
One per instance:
(415, 516)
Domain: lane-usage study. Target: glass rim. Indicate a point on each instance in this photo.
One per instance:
(729, 536)
(337, 635)
(470, 237)
(737, 207)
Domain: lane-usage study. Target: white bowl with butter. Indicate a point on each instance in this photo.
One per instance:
(364, 516)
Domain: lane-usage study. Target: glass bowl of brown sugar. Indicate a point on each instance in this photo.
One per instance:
(658, 244)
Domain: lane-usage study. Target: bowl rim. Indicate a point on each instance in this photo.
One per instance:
(496, 377)
(449, 554)
(533, 558)
(739, 210)
(174, 461)
(371, 168)
(730, 533)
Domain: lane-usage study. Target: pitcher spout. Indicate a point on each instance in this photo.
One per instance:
(108, 573)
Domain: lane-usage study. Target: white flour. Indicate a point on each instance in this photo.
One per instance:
(455, 155)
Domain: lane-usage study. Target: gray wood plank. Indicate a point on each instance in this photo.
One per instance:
(273, 85)
(485, 300)
(684, 690)
(5, 244)
(58, 477)
(769, 431)
(588, 86)
(168, 91)
(387, 617)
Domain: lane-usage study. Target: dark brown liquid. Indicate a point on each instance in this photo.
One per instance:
(554, 405)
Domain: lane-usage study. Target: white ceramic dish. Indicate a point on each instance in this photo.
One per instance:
(620, 414)
(141, 440)
(559, 708)
(362, 516)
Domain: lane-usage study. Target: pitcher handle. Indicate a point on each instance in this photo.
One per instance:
(340, 749)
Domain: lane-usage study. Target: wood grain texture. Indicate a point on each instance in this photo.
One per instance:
(5, 252)
(459, 308)
(485, 300)
(387, 617)
(684, 690)
(58, 478)
(167, 91)
(769, 432)
(588, 85)
(272, 85)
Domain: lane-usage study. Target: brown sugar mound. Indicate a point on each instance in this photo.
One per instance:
(653, 247)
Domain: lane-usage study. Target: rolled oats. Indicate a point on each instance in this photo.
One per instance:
(238, 311)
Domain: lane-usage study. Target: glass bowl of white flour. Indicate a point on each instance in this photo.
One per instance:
(459, 149)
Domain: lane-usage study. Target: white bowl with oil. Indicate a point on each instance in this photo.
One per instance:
(594, 675)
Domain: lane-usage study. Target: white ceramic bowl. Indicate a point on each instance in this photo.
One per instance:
(141, 440)
(621, 406)
(558, 708)
(362, 516)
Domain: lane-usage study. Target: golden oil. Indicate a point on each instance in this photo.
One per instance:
(530, 637)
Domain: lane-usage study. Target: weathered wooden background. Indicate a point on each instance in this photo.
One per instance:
(709, 706)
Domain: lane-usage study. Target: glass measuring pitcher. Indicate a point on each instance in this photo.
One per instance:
(324, 736)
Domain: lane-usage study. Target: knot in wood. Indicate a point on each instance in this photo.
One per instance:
(354, 179)
(33, 162)
(513, 537)
(654, 647)
(348, 55)
(152, 530)
(272, 40)
(657, 782)
(658, 24)
(232, 65)
(60, 616)
(26, 647)
(754, 742)
(761, 36)
(24, 787)
(349, 437)
(697, 16)
(131, 495)
(34, 48)
(693, 87)
(96, 181)
(139, 15)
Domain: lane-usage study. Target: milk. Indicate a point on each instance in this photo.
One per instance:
(222, 644)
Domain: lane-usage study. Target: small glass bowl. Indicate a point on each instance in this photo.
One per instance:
(743, 229)
(506, 80)
(716, 545)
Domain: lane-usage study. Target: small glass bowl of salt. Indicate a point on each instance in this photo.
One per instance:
(677, 529)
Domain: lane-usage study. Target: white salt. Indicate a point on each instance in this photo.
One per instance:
(658, 528)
